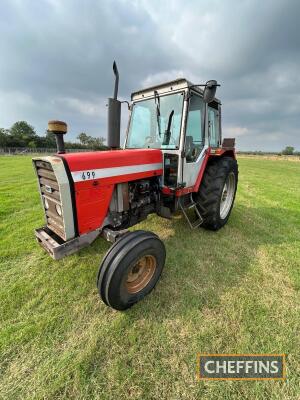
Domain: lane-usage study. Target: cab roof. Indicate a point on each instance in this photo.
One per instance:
(166, 87)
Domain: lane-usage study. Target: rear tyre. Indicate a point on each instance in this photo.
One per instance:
(217, 191)
(130, 269)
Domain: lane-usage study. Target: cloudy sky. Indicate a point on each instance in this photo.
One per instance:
(56, 59)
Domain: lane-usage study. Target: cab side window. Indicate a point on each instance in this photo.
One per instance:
(213, 127)
(194, 138)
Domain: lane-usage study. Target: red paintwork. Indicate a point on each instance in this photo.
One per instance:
(111, 158)
(92, 204)
(93, 196)
(202, 169)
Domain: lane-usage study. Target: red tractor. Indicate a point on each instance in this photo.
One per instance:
(173, 160)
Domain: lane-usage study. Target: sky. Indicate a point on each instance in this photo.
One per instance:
(56, 61)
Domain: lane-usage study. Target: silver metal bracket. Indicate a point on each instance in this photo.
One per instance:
(113, 236)
(57, 248)
(187, 209)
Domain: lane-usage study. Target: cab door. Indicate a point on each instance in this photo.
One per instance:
(214, 133)
(194, 140)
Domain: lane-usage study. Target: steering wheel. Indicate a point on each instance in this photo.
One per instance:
(172, 140)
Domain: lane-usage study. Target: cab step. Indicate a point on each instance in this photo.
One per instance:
(190, 211)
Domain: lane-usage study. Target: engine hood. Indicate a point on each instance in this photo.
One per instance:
(90, 179)
(87, 161)
(95, 175)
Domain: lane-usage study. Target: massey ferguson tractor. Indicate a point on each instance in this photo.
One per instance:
(173, 160)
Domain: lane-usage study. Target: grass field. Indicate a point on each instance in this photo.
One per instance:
(234, 291)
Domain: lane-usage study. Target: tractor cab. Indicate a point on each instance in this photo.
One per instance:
(175, 118)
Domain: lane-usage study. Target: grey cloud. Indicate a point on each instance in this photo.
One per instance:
(57, 57)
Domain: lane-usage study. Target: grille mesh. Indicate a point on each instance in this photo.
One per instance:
(51, 197)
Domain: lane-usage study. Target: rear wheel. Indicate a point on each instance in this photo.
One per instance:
(217, 191)
(131, 269)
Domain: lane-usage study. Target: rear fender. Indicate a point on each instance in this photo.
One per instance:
(210, 154)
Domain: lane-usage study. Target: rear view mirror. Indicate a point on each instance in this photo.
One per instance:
(210, 91)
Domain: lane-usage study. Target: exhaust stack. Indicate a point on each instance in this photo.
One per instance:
(114, 115)
(59, 129)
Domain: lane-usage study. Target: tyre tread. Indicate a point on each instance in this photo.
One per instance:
(208, 196)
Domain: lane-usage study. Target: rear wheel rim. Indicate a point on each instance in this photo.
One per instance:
(140, 274)
(227, 195)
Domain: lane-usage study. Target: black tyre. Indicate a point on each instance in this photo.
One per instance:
(130, 269)
(217, 191)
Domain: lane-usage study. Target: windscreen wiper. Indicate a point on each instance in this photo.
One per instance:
(167, 134)
(157, 102)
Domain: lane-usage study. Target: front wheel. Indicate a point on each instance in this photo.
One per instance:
(131, 269)
(217, 191)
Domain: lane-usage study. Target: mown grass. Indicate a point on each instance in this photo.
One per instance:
(233, 291)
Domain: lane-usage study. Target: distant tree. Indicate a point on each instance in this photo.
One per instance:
(22, 133)
(50, 141)
(102, 140)
(70, 145)
(32, 144)
(288, 151)
(4, 137)
(83, 138)
(95, 143)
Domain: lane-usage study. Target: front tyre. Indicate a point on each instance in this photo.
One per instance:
(217, 191)
(131, 269)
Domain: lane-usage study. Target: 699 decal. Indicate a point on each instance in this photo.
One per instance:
(88, 175)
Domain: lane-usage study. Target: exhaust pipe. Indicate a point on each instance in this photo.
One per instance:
(114, 115)
(59, 129)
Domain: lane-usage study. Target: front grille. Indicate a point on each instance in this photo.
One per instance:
(51, 197)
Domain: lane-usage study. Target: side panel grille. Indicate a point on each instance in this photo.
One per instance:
(51, 197)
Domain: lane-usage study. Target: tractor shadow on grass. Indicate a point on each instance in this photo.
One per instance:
(201, 265)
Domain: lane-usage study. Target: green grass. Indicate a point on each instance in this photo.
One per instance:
(233, 291)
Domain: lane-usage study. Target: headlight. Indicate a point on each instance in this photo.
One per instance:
(58, 209)
(46, 203)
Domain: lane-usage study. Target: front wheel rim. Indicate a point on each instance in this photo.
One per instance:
(227, 195)
(140, 274)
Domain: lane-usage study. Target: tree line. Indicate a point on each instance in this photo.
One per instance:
(22, 134)
(290, 151)
(287, 151)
